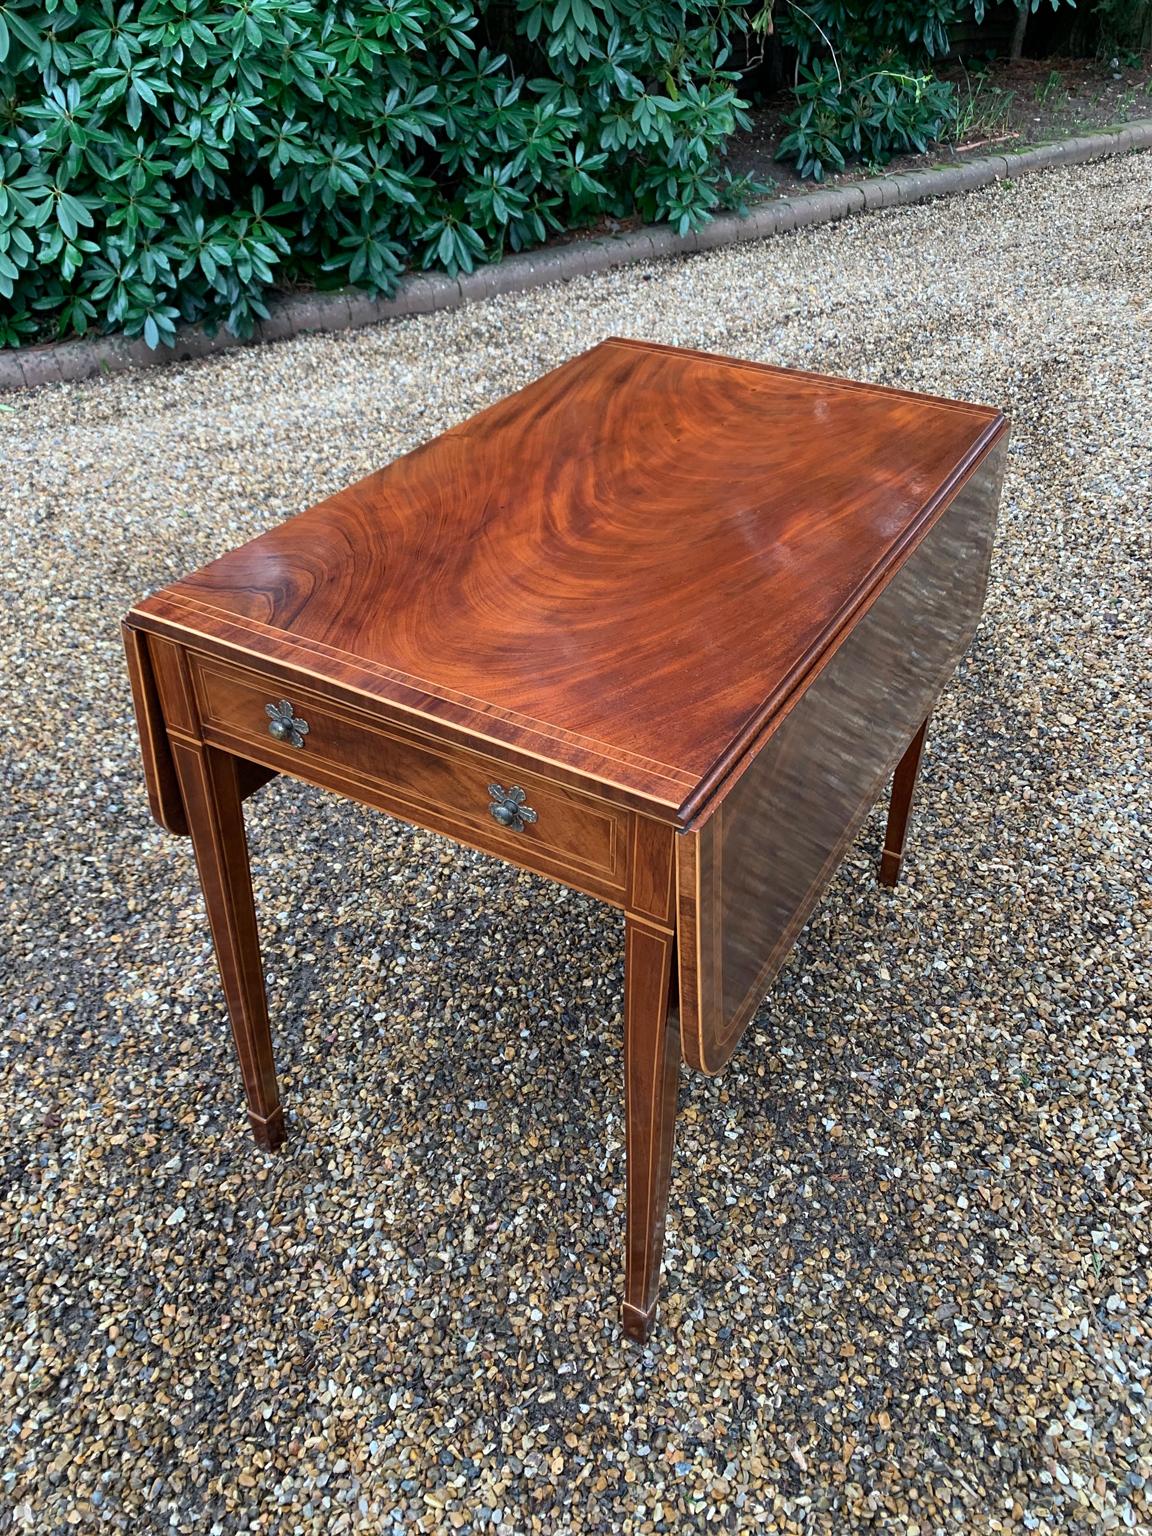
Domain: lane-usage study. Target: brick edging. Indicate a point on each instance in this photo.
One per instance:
(424, 293)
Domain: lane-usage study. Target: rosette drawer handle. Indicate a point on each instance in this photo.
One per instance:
(508, 808)
(285, 725)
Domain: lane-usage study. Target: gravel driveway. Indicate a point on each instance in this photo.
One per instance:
(908, 1277)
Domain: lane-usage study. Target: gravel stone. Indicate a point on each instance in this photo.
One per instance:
(908, 1265)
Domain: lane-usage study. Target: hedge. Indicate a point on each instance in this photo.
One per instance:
(175, 160)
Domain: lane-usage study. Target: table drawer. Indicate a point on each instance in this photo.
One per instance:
(466, 794)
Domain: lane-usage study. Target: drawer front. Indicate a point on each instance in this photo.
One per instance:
(523, 817)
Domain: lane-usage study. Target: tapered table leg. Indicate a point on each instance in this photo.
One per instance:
(651, 1081)
(903, 789)
(210, 785)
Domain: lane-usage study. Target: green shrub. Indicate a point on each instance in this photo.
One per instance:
(174, 160)
(872, 116)
(865, 84)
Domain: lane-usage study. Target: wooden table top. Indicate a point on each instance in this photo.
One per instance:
(623, 570)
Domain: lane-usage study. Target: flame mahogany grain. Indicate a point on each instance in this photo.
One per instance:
(696, 608)
(621, 568)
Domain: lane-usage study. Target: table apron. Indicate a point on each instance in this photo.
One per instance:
(576, 839)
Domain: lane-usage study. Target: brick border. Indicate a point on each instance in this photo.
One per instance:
(64, 362)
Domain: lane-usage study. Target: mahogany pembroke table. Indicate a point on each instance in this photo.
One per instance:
(659, 626)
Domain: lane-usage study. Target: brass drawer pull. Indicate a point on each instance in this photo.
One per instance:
(284, 724)
(508, 807)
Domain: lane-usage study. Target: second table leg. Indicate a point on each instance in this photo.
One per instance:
(900, 808)
(651, 1082)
